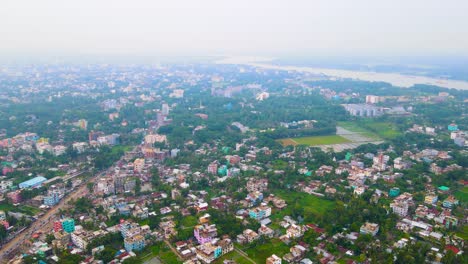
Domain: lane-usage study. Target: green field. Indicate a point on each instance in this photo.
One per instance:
(162, 251)
(372, 129)
(383, 129)
(312, 204)
(260, 253)
(233, 255)
(25, 209)
(355, 127)
(462, 195)
(314, 141)
(464, 233)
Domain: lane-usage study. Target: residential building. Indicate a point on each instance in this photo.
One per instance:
(134, 243)
(430, 199)
(294, 231)
(15, 196)
(247, 236)
(400, 208)
(205, 233)
(260, 212)
(68, 225)
(369, 228)
(450, 202)
(273, 259)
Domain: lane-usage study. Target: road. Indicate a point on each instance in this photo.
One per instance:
(45, 222)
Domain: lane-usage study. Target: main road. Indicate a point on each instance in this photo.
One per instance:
(44, 223)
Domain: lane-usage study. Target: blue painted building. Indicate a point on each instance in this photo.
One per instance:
(33, 183)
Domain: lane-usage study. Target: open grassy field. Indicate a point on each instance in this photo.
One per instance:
(355, 127)
(314, 141)
(311, 204)
(383, 129)
(464, 233)
(162, 251)
(260, 253)
(372, 129)
(233, 255)
(462, 194)
(25, 209)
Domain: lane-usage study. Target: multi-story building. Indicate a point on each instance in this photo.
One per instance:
(208, 252)
(273, 259)
(138, 165)
(247, 236)
(450, 202)
(400, 208)
(259, 185)
(5, 185)
(295, 231)
(53, 196)
(260, 212)
(58, 226)
(15, 196)
(430, 199)
(68, 225)
(369, 228)
(134, 243)
(213, 168)
(128, 229)
(266, 231)
(205, 233)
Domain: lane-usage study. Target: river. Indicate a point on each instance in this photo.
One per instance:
(395, 79)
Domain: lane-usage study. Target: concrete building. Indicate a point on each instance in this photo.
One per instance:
(135, 243)
(362, 110)
(205, 233)
(33, 183)
(273, 259)
(399, 208)
(369, 228)
(68, 225)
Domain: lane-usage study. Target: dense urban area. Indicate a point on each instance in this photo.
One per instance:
(218, 163)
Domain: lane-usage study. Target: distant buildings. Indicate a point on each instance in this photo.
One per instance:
(362, 110)
(177, 93)
(374, 99)
(262, 96)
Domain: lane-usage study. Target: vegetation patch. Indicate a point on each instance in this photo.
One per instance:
(357, 128)
(309, 204)
(462, 195)
(382, 129)
(260, 252)
(463, 233)
(314, 141)
(25, 209)
(235, 256)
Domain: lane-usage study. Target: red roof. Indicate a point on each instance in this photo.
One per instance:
(452, 248)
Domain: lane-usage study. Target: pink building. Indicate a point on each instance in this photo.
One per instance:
(7, 169)
(15, 196)
(205, 233)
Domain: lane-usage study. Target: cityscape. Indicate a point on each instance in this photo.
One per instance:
(159, 157)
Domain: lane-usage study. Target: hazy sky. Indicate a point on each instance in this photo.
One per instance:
(234, 27)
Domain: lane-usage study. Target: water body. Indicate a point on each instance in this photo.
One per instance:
(395, 79)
